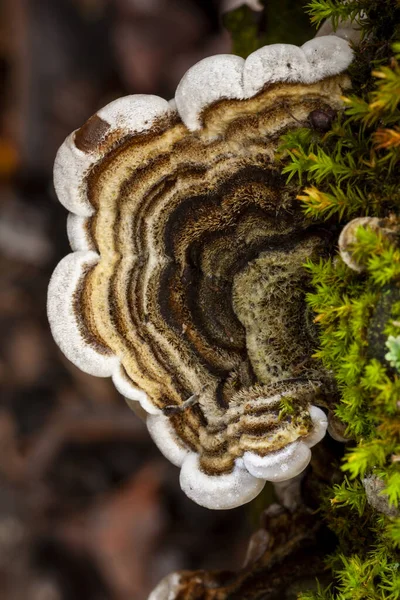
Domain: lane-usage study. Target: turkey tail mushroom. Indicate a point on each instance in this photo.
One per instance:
(186, 278)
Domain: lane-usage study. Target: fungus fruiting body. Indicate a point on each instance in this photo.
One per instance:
(387, 228)
(186, 282)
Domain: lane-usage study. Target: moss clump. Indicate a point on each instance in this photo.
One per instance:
(351, 171)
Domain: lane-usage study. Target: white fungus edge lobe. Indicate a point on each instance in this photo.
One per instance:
(164, 436)
(293, 458)
(209, 80)
(228, 76)
(281, 465)
(326, 55)
(276, 62)
(131, 392)
(77, 233)
(135, 113)
(219, 492)
(167, 588)
(70, 168)
(62, 318)
(320, 425)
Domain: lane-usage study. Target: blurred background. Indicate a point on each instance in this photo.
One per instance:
(89, 508)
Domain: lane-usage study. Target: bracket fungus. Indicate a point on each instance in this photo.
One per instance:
(186, 284)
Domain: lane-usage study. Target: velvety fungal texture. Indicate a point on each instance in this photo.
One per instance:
(186, 284)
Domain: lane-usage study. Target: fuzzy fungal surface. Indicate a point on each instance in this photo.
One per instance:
(186, 282)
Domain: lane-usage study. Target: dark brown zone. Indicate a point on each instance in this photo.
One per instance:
(155, 192)
(181, 425)
(119, 146)
(220, 397)
(90, 228)
(190, 280)
(262, 429)
(216, 452)
(120, 327)
(170, 313)
(269, 178)
(211, 111)
(183, 172)
(259, 410)
(198, 208)
(80, 303)
(134, 309)
(116, 321)
(89, 137)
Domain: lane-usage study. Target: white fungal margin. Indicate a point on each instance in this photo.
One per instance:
(218, 492)
(281, 465)
(131, 392)
(77, 233)
(135, 113)
(64, 325)
(327, 55)
(276, 62)
(167, 589)
(207, 81)
(164, 436)
(70, 168)
(228, 76)
(320, 425)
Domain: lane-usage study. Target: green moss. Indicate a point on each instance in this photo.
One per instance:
(287, 407)
(281, 21)
(243, 26)
(350, 171)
